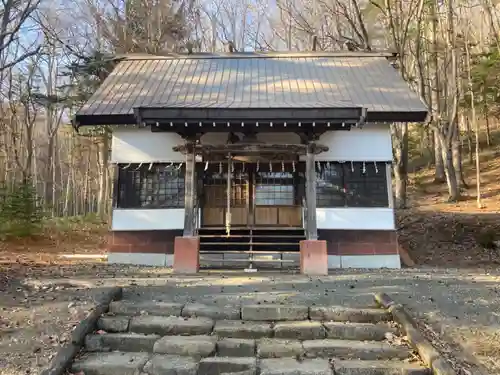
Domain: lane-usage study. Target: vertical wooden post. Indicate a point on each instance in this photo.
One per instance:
(311, 226)
(189, 190)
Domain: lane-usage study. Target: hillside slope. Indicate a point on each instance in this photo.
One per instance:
(438, 233)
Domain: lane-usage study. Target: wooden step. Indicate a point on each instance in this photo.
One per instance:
(248, 243)
(251, 260)
(246, 252)
(248, 235)
(252, 229)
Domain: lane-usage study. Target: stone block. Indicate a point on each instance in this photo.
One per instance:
(349, 314)
(274, 312)
(239, 329)
(313, 257)
(110, 363)
(358, 331)
(236, 348)
(356, 367)
(290, 366)
(186, 254)
(349, 349)
(113, 323)
(228, 366)
(212, 312)
(277, 348)
(124, 342)
(303, 330)
(192, 346)
(171, 325)
(145, 308)
(171, 365)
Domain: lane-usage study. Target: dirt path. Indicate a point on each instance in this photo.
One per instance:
(41, 303)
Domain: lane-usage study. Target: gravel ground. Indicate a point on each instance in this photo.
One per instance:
(458, 309)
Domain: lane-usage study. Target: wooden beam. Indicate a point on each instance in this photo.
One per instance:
(311, 225)
(189, 190)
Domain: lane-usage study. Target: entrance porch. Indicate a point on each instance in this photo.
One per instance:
(250, 202)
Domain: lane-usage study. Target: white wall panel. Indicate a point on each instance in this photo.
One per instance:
(355, 218)
(148, 219)
(142, 146)
(370, 143)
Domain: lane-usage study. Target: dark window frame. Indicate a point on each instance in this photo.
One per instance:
(356, 184)
(150, 186)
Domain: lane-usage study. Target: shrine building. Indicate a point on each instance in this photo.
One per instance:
(253, 160)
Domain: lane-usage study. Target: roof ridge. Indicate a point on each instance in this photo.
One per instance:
(255, 55)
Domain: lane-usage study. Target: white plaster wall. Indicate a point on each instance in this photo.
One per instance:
(370, 143)
(147, 219)
(140, 145)
(355, 218)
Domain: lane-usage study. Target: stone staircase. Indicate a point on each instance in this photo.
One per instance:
(160, 338)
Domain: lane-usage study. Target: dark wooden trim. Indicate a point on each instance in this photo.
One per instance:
(116, 185)
(264, 123)
(311, 223)
(190, 190)
(147, 114)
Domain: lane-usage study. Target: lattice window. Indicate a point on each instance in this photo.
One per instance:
(146, 186)
(351, 185)
(215, 185)
(276, 188)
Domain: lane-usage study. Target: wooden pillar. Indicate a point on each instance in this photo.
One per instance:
(311, 226)
(190, 191)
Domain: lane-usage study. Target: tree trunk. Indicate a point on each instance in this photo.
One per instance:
(451, 179)
(469, 139)
(456, 151)
(439, 174)
(488, 134)
(400, 152)
(102, 200)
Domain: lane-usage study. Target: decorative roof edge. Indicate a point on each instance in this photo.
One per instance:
(254, 55)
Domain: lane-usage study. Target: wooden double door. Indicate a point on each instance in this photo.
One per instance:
(261, 195)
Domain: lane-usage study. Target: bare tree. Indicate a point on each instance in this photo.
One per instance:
(14, 14)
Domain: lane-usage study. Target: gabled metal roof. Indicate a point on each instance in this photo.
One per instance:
(252, 81)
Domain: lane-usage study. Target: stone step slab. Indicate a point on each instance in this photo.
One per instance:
(350, 349)
(358, 331)
(302, 330)
(379, 368)
(349, 314)
(124, 342)
(213, 312)
(171, 365)
(290, 366)
(278, 348)
(274, 312)
(228, 366)
(228, 347)
(117, 363)
(171, 325)
(143, 308)
(113, 323)
(192, 346)
(239, 329)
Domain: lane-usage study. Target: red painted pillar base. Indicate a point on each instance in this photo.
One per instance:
(186, 254)
(313, 258)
